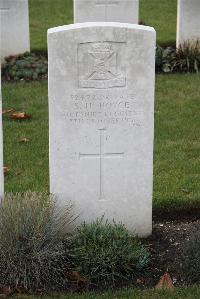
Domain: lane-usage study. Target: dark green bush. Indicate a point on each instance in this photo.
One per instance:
(107, 253)
(28, 66)
(32, 66)
(32, 237)
(163, 57)
(186, 58)
(190, 258)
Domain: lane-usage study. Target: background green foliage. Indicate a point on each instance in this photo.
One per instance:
(27, 66)
(187, 57)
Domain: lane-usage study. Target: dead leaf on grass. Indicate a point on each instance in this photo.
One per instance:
(19, 116)
(185, 191)
(165, 282)
(6, 169)
(18, 173)
(24, 140)
(7, 111)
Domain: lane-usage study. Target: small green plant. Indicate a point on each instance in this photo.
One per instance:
(27, 66)
(107, 253)
(190, 258)
(33, 238)
(163, 59)
(186, 58)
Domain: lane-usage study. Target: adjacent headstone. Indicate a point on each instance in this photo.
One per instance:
(188, 21)
(101, 111)
(125, 11)
(14, 27)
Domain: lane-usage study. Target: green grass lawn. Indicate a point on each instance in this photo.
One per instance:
(44, 14)
(177, 142)
(183, 293)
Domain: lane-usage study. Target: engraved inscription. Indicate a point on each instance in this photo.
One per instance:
(101, 65)
(103, 109)
(101, 156)
(4, 9)
(107, 2)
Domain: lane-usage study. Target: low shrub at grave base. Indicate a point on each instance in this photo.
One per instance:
(108, 254)
(27, 66)
(190, 258)
(162, 63)
(186, 58)
(32, 237)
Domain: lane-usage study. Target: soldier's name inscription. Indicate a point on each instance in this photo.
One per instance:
(104, 109)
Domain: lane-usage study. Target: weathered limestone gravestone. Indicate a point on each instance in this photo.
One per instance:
(14, 27)
(188, 21)
(125, 11)
(101, 111)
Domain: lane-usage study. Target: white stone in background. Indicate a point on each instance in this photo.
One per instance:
(14, 27)
(125, 11)
(101, 113)
(188, 20)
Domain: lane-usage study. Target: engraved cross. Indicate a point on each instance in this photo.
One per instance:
(101, 156)
(4, 9)
(106, 4)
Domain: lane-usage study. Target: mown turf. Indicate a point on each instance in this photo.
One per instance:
(184, 293)
(177, 140)
(44, 14)
(161, 15)
(28, 162)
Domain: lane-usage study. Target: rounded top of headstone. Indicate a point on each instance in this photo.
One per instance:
(100, 24)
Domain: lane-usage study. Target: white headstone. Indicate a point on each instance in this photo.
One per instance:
(125, 11)
(101, 111)
(14, 27)
(188, 21)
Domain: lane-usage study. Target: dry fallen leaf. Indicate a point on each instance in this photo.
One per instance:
(19, 116)
(6, 291)
(24, 140)
(7, 111)
(165, 282)
(18, 173)
(185, 190)
(21, 290)
(81, 281)
(6, 169)
(74, 275)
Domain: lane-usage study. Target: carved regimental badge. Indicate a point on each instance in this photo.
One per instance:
(101, 65)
